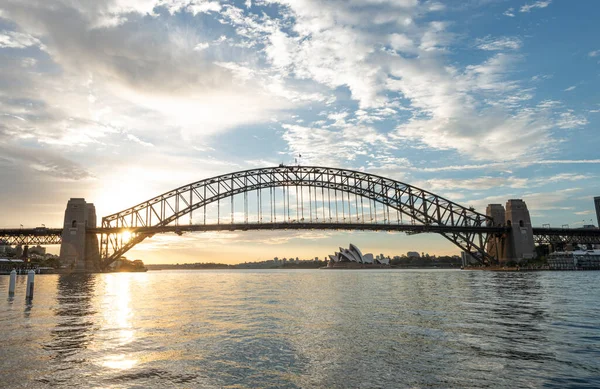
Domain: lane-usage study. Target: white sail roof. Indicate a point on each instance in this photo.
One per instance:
(368, 258)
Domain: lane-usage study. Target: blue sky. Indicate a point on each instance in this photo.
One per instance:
(117, 101)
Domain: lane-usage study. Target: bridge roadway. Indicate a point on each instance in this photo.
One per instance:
(416, 228)
(30, 236)
(49, 236)
(542, 235)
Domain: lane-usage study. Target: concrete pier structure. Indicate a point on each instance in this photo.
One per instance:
(79, 251)
(495, 246)
(519, 245)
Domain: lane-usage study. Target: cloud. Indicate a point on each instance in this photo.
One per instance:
(497, 44)
(536, 201)
(185, 86)
(135, 139)
(594, 53)
(36, 162)
(569, 120)
(327, 147)
(571, 88)
(479, 183)
(504, 165)
(537, 4)
(17, 40)
(495, 182)
(509, 12)
(389, 58)
(561, 177)
(201, 46)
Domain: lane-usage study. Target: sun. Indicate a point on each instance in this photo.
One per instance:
(126, 235)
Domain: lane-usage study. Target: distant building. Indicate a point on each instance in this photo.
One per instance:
(597, 204)
(39, 250)
(354, 255)
(573, 260)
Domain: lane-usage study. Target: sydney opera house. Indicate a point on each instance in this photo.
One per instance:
(353, 258)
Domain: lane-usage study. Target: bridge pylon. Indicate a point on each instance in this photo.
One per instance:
(496, 243)
(79, 250)
(520, 245)
(517, 244)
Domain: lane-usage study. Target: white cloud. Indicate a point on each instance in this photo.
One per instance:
(496, 44)
(509, 12)
(204, 7)
(536, 201)
(479, 183)
(401, 42)
(201, 46)
(569, 120)
(135, 139)
(561, 177)
(17, 40)
(491, 182)
(571, 88)
(594, 53)
(537, 4)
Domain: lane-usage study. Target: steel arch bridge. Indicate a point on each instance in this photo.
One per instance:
(297, 197)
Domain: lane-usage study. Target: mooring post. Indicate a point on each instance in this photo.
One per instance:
(30, 283)
(12, 283)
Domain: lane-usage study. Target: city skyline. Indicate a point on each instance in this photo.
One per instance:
(478, 103)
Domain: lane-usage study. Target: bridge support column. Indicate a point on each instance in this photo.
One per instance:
(495, 246)
(79, 251)
(519, 244)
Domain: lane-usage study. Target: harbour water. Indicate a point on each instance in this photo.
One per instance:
(303, 329)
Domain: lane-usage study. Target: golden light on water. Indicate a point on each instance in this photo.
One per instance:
(117, 320)
(119, 362)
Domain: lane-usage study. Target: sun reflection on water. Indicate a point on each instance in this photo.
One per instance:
(119, 362)
(118, 319)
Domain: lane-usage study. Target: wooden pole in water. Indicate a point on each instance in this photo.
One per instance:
(12, 283)
(30, 283)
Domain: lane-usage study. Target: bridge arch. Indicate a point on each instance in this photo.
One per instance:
(461, 225)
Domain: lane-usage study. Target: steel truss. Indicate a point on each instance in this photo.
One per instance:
(422, 207)
(30, 237)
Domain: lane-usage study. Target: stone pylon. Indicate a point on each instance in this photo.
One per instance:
(79, 250)
(520, 244)
(495, 245)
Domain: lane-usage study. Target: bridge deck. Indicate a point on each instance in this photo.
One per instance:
(30, 236)
(42, 235)
(300, 226)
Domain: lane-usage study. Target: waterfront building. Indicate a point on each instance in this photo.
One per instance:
(353, 255)
(575, 260)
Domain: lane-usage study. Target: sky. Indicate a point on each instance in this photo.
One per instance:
(117, 101)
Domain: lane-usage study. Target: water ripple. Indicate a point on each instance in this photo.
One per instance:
(296, 329)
